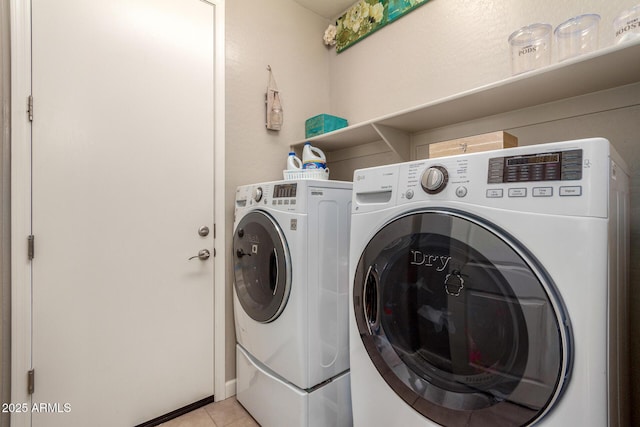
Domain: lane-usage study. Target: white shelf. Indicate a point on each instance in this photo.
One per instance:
(605, 69)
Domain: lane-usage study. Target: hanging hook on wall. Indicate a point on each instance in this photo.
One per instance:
(273, 104)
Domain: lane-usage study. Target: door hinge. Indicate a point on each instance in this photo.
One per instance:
(30, 108)
(31, 247)
(31, 381)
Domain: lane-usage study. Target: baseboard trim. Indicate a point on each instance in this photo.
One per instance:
(178, 412)
(230, 388)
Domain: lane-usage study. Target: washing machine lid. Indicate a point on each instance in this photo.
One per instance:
(460, 321)
(262, 266)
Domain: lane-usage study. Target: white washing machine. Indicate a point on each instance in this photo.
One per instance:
(490, 289)
(290, 249)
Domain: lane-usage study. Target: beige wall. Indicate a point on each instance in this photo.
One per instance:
(288, 37)
(442, 48)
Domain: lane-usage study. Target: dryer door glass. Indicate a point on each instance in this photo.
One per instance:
(460, 321)
(261, 266)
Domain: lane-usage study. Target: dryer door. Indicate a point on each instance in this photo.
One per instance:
(262, 267)
(460, 321)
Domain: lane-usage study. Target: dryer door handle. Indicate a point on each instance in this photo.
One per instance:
(371, 299)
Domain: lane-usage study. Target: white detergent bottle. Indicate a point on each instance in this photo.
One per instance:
(293, 162)
(313, 157)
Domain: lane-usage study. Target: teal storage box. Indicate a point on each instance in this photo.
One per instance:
(322, 123)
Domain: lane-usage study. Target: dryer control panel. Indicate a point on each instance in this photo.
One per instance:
(554, 166)
(568, 178)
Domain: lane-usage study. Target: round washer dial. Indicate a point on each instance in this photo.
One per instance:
(257, 194)
(434, 179)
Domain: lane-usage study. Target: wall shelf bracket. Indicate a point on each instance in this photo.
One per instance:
(399, 141)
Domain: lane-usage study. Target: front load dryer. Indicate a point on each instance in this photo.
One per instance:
(490, 289)
(290, 251)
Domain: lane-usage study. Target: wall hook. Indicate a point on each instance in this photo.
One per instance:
(273, 104)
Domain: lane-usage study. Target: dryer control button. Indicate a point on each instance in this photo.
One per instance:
(572, 190)
(409, 194)
(461, 191)
(494, 193)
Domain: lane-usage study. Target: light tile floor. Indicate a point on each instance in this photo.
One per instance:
(227, 413)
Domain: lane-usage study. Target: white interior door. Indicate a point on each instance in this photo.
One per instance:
(123, 152)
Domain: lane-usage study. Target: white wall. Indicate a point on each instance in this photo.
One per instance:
(288, 37)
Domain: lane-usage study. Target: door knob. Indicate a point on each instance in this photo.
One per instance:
(203, 254)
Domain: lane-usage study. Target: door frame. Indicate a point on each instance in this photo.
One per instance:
(21, 326)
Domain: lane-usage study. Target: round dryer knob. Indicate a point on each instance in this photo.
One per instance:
(434, 179)
(257, 194)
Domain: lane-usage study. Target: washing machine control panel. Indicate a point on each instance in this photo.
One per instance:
(285, 190)
(280, 191)
(282, 196)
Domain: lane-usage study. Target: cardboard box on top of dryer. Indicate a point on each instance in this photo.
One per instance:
(473, 144)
